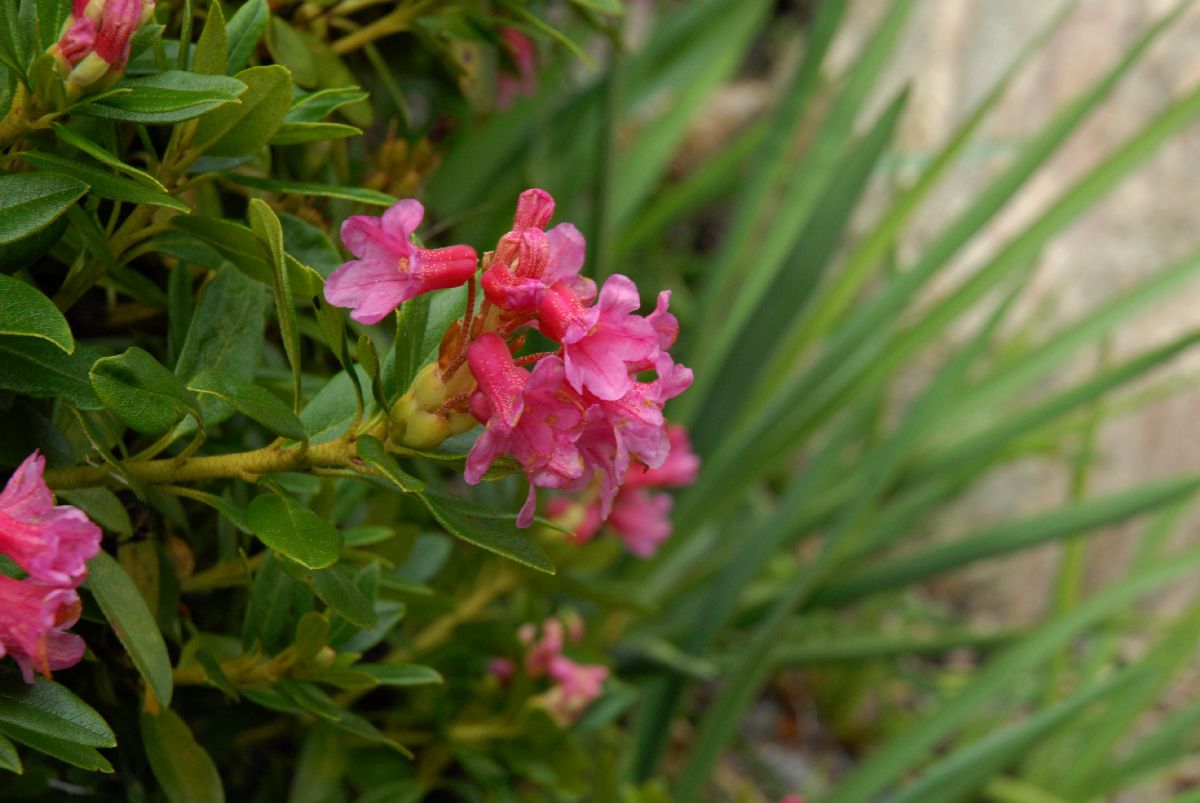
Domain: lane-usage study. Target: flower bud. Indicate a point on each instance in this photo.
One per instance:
(93, 48)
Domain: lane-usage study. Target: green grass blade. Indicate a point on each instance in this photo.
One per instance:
(792, 286)
(748, 264)
(834, 299)
(883, 768)
(969, 768)
(1004, 539)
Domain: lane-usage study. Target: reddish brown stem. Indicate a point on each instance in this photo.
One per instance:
(530, 359)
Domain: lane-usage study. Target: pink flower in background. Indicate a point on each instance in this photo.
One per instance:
(576, 687)
(521, 79)
(532, 416)
(95, 41)
(602, 343)
(502, 669)
(51, 543)
(641, 519)
(678, 470)
(390, 268)
(33, 618)
(544, 651)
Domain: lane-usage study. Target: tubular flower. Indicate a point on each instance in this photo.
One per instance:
(601, 344)
(390, 268)
(574, 685)
(521, 79)
(33, 618)
(51, 543)
(95, 41)
(528, 260)
(639, 517)
(535, 417)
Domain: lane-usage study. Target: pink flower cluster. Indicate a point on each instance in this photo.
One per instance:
(588, 415)
(582, 412)
(52, 545)
(574, 685)
(640, 517)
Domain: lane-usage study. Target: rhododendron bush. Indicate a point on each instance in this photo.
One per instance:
(394, 409)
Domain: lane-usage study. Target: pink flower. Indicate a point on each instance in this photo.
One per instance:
(535, 417)
(582, 519)
(678, 470)
(528, 260)
(33, 618)
(576, 687)
(641, 519)
(543, 652)
(520, 51)
(502, 669)
(601, 344)
(95, 41)
(52, 544)
(390, 269)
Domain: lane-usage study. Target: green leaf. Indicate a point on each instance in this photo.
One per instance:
(77, 755)
(212, 50)
(104, 184)
(182, 767)
(101, 506)
(294, 50)
(226, 334)
(238, 244)
(133, 623)
(249, 400)
(142, 393)
(312, 699)
(376, 456)
(168, 97)
(26, 312)
(51, 14)
(316, 106)
(31, 201)
(266, 227)
(76, 140)
(246, 128)
(291, 133)
(402, 675)
(246, 27)
(293, 531)
(47, 708)
(35, 367)
(494, 535)
(358, 194)
(333, 587)
(9, 760)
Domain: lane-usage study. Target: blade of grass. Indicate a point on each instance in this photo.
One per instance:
(889, 763)
(1005, 538)
(834, 299)
(968, 768)
(792, 287)
(754, 254)
(794, 411)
